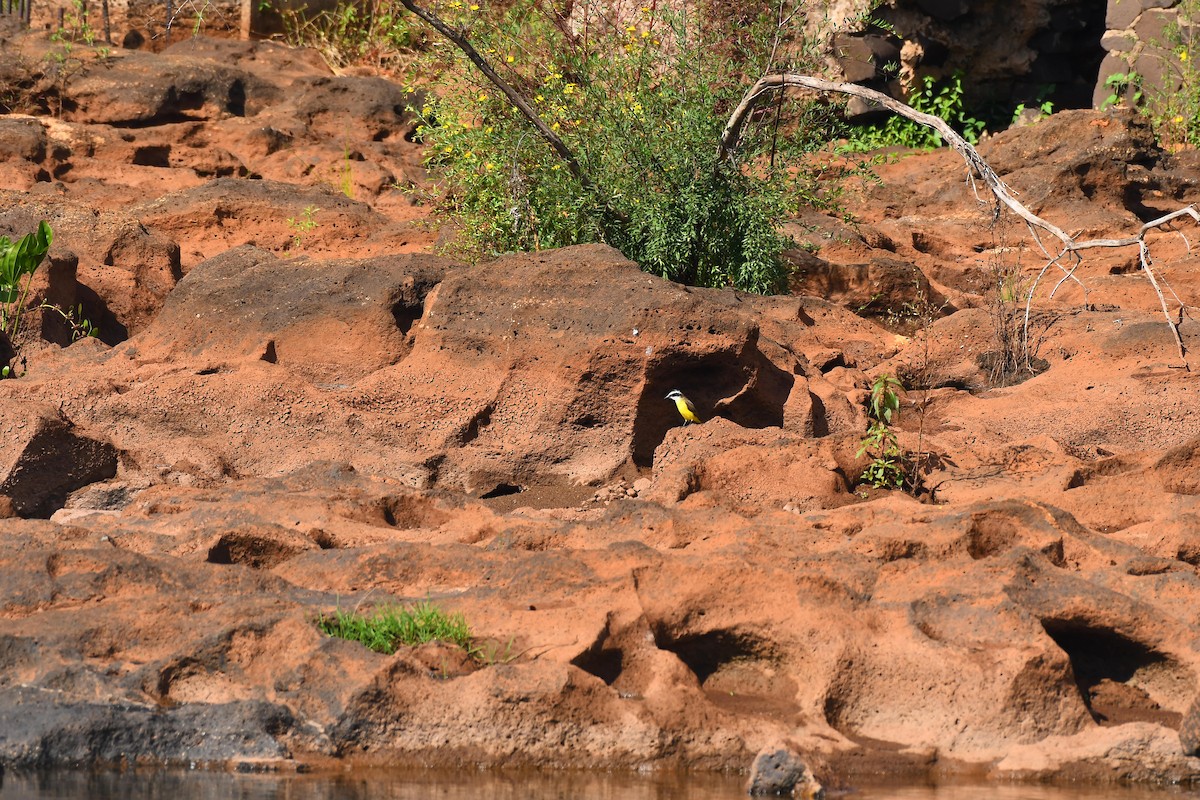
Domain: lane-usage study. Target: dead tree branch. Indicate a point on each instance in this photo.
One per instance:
(1068, 249)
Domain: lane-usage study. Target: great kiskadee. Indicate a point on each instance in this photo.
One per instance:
(685, 407)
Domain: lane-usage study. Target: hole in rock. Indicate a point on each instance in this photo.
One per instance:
(500, 490)
(475, 426)
(248, 549)
(990, 534)
(1111, 670)
(237, 98)
(95, 309)
(406, 315)
(603, 662)
(152, 156)
(742, 386)
(706, 653)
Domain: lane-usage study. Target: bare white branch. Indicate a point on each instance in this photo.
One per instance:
(976, 165)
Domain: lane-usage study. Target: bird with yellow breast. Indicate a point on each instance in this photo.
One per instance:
(685, 407)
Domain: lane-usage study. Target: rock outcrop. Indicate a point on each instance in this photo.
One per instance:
(285, 422)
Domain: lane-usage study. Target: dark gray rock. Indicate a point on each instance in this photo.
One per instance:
(38, 730)
(777, 770)
(1189, 730)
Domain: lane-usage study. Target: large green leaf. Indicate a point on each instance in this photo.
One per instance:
(21, 259)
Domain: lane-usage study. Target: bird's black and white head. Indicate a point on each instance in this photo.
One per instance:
(675, 394)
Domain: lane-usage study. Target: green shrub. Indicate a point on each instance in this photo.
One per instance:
(389, 627)
(642, 106)
(944, 100)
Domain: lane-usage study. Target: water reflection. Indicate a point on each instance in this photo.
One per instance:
(392, 785)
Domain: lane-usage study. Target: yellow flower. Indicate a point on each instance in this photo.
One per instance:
(645, 34)
(510, 59)
(569, 88)
(1183, 55)
(1178, 119)
(538, 98)
(474, 6)
(554, 127)
(483, 96)
(489, 165)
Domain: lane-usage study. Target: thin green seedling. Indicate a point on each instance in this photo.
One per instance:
(886, 470)
(302, 225)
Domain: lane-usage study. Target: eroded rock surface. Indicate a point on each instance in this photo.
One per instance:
(280, 421)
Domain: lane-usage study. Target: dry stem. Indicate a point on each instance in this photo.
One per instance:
(1068, 246)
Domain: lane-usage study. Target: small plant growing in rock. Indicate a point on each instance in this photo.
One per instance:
(66, 60)
(389, 627)
(886, 470)
(1122, 86)
(376, 32)
(18, 261)
(302, 225)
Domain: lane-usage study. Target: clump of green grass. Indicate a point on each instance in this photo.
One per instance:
(389, 627)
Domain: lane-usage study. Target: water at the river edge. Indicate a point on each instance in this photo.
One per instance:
(387, 785)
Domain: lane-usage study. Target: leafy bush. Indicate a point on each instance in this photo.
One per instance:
(642, 105)
(943, 100)
(389, 627)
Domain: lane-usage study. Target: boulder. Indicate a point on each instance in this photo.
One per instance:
(135, 88)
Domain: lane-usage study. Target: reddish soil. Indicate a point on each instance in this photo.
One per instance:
(279, 420)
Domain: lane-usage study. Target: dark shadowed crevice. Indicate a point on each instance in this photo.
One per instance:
(705, 653)
(152, 156)
(406, 315)
(475, 426)
(500, 490)
(237, 98)
(1101, 657)
(605, 663)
